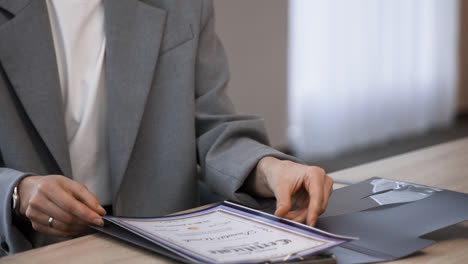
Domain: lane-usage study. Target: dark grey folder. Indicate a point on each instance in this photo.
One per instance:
(389, 217)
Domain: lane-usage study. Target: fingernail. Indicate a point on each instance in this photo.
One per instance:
(103, 210)
(311, 222)
(98, 222)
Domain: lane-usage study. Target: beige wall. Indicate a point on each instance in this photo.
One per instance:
(463, 59)
(254, 34)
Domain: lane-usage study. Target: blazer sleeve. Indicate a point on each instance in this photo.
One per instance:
(229, 145)
(12, 239)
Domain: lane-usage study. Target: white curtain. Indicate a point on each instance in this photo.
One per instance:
(366, 71)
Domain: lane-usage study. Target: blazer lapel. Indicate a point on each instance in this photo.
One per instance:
(28, 57)
(133, 31)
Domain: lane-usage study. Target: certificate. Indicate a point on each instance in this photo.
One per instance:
(230, 233)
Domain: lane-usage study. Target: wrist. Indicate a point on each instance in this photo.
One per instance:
(265, 164)
(259, 183)
(23, 189)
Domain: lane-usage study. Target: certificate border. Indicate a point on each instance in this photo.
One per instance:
(330, 240)
(253, 220)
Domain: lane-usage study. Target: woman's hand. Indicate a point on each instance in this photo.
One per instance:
(307, 187)
(71, 205)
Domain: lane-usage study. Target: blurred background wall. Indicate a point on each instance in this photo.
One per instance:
(257, 35)
(365, 71)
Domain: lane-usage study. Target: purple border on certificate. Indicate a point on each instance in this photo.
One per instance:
(241, 211)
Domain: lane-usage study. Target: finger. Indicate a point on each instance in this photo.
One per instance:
(293, 214)
(328, 189)
(283, 201)
(49, 208)
(71, 205)
(66, 222)
(39, 217)
(81, 193)
(301, 217)
(51, 231)
(315, 190)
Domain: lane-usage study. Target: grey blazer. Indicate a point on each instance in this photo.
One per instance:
(166, 75)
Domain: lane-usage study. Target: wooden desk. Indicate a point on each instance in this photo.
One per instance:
(444, 166)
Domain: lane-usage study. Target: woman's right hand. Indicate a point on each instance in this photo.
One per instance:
(71, 205)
